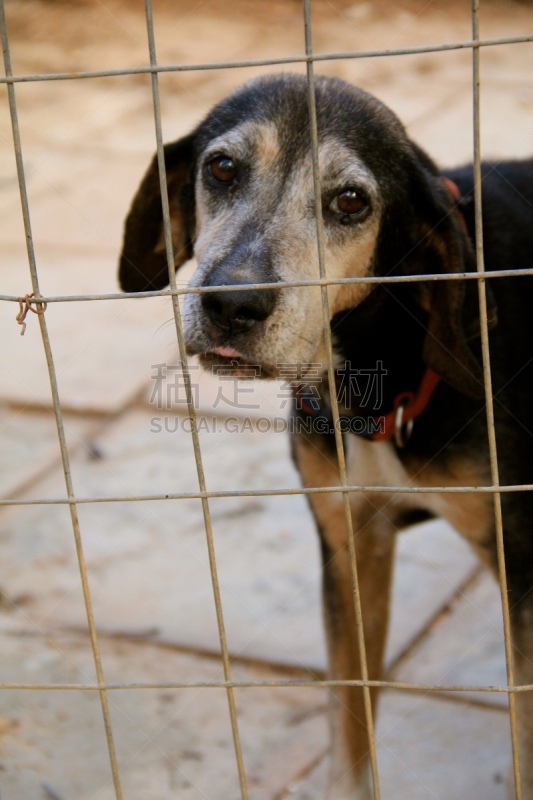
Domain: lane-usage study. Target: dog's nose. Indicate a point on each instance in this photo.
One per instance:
(238, 310)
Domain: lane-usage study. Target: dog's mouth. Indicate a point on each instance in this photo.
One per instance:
(229, 362)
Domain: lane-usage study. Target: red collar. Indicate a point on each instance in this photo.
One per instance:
(452, 188)
(397, 425)
(407, 407)
(456, 194)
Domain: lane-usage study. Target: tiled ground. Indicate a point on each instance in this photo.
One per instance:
(86, 144)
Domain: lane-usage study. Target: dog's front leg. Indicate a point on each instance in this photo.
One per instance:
(350, 777)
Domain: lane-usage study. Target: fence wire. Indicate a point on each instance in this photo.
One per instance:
(57, 411)
(190, 404)
(204, 495)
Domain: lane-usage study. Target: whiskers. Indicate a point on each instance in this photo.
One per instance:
(165, 325)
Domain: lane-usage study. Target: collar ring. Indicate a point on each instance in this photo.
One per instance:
(402, 431)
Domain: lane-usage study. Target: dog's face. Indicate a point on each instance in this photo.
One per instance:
(256, 224)
(241, 194)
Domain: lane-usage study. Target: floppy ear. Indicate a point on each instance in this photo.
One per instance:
(452, 305)
(446, 349)
(143, 262)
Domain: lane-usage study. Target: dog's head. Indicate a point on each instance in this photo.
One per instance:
(241, 197)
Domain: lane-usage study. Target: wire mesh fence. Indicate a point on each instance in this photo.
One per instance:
(38, 303)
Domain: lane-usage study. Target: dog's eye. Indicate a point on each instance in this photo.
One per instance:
(223, 169)
(350, 202)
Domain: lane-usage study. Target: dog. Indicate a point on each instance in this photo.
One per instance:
(241, 196)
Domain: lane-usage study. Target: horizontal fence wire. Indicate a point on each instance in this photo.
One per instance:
(344, 488)
(266, 62)
(177, 291)
(282, 684)
(300, 490)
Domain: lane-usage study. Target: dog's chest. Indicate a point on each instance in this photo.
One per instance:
(378, 464)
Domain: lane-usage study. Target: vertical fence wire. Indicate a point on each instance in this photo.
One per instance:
(57, 410)
(326, 317)
(190, 403)
(493, 452)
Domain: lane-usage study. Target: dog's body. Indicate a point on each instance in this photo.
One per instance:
(386, 211)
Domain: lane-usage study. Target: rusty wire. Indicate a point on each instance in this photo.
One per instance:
(282, 684)
(489, 400)
(265, 62)
(303, 490)
(191, 408)
(339, 445)
(57, 411)
(370, 279)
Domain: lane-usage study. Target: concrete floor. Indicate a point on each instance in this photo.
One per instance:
(86, 145)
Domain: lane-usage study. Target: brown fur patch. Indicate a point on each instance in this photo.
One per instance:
(471, 514)
(267, 149)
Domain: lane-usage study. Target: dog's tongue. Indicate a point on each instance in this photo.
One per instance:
(226, 352)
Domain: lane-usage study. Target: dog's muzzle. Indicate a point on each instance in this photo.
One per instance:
(237, 311)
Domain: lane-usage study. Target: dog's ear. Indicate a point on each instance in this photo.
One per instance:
(143, 261)
(446, 350)
(443, 247)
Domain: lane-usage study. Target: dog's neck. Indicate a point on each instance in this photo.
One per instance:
(389, 331)
(383, 339)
